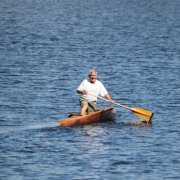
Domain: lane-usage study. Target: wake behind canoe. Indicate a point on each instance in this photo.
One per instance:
(106, 114)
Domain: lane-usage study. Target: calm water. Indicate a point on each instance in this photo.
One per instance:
(46, 50)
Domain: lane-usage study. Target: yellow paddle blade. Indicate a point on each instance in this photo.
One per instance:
(142, 113)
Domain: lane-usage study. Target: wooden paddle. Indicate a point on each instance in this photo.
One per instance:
(140, 112)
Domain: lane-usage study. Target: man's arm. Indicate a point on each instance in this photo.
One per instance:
(108, 97)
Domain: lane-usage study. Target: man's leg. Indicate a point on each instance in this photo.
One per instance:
(84, 109)
(84, 106)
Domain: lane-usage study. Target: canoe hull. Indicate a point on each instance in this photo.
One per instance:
(107, 114)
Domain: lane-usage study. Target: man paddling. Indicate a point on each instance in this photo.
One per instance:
(93, 86)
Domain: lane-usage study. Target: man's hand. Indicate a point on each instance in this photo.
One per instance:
(84, 91)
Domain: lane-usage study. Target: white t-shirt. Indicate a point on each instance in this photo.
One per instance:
(96, 88)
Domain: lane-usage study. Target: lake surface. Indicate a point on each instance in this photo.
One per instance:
(47, 48)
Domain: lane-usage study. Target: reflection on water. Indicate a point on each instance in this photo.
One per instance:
(93, 139)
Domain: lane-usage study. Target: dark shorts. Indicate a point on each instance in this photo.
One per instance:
(91, 105)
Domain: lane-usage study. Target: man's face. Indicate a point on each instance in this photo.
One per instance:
(93, 77)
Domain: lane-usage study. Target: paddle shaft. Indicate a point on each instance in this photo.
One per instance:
(140, 112)
(110, 102)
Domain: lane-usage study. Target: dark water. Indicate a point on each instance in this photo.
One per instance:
(46, 50)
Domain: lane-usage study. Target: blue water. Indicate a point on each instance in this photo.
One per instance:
(46, 50)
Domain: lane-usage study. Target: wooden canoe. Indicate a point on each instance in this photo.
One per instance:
(106, 114)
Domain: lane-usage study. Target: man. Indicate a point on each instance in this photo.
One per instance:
(92, 86)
